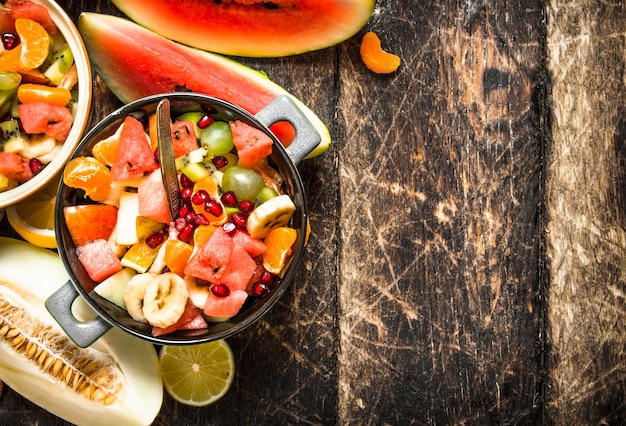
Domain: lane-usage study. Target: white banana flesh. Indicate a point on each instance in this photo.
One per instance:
(134, 294)
(165, 300)
(275, 212)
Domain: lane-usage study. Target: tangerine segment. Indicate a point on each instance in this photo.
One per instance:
(35, 43)
(177, 254)
(106, 150)
(90, 175)
(278, 242)
(10, 59)
(210, 186)
(375, 58)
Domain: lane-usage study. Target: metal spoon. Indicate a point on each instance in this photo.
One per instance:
(166, 157)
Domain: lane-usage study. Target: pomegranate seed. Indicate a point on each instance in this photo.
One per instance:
(35, 165)
(259, 289)
(155, 240)
(229, 199)
(186, 234)
(184, 209)
(246, 206)
(10, 41)
(240, 219)
(220, 290)
(219, 161)
(180, 224)
(205, 121)
(267, 278)
(185, 194)
(185, 181)
(200, 197)
(200, 219)
(229, 227)
(213, 207)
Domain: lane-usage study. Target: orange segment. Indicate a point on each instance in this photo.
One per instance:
(139, 257)
(210, 186)
(202, 234)
(34, 42)
(278, 242)
(154, 142)
(375, 58)
(10, 59)
(177, 254)
(90, 175)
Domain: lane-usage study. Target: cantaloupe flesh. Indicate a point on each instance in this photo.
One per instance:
(141, 401)
(279, 28)
(135, 62)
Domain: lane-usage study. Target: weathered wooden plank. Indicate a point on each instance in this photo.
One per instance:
(440, 181)
(585, 198)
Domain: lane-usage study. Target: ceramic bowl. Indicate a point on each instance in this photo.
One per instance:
(72, 36)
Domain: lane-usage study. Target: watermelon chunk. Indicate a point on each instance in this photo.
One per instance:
(98, 259)
(134, 157)
(223, 308)
(153, 199)
(41, 117)
(251, 143)
(210, 261)
(14, 9)
(253, 246)
(239, 269)
(90, 222)
(183, 138)
(12, 166)
(191, 319)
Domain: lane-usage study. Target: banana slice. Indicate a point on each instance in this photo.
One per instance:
(165, 300)
(197, 292)
(271, 214)
(134, 294)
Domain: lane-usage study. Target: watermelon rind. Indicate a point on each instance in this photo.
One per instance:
(135, 62)
(261, 29)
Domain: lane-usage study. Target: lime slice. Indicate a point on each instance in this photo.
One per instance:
(33, 218)
(198, 375)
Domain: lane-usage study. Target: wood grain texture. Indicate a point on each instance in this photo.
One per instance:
(440, 192)
(587, 212)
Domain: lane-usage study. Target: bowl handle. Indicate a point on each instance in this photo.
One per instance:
(59, 304)
(283, 108)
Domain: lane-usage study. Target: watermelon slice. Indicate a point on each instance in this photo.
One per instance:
(239, 269)
(42, 117)
(12, 166)
(253, 28)
(134, 157)
(251, 143)
(90, 222)
(253, 246)
(210, 261)
(120, 49)
(222, 308)
(153, 199)
(183, 138)
(191, 319)
(98, 259)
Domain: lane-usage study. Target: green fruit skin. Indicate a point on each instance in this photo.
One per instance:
(244, 182)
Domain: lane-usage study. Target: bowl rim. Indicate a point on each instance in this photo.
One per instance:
(272, 298)
(83, 113)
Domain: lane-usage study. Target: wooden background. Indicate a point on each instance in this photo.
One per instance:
(467, 263)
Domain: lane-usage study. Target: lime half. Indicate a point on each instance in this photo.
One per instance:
(198, 375)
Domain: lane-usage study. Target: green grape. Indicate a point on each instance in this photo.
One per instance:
(217, 138)
(244, 182)
(9, 80)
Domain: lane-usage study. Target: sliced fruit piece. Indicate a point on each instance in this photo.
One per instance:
(253, 28)
(239, 269)
(198, 291)
(98, 259)
(34, 42)
(125, 232)
(153, 199)
(220, 309)
(134, 294)
(33, 218)
(12, 166)
(113, 287)
(209, 185)
(90, 222)
(139, 257)
(210, 261)
(146, 227)
(198, 375)
(273, 213)
(106, 150)
(134, 394)
(118, 47)
(183, 138)
(165, 300)
(375, 58)
(177, 254)
(253, 246)
(279, 242)
(191, 319)
(90, 175)
(42, 117)
(252, 144)
(134, 157)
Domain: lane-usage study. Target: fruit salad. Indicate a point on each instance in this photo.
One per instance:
(38, 91)
(229, 244)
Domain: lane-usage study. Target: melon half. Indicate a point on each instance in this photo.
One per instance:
(252, 28)
(135, 62)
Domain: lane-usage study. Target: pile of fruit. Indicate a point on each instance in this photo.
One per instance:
(229, 244)
(38, 91)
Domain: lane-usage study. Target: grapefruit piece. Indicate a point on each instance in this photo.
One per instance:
(253, 28)
(120, 49)
(90, 222)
